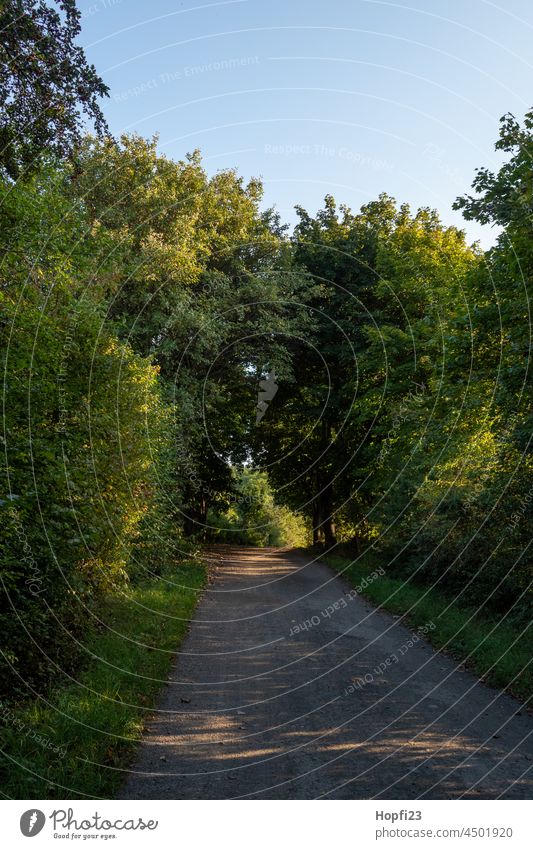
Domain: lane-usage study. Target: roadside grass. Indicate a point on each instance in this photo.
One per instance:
(497, 651)
(77, 743)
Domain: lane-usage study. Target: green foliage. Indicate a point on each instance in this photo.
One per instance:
(45, 84)
(143, 301)
(451, 493)
(124, 284)
(413, 433)
(252, 516)
(77, 743)
(84, 426)
(201, 283)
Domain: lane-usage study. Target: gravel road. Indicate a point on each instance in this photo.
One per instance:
(288, 687)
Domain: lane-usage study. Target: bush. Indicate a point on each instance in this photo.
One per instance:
(82, 437)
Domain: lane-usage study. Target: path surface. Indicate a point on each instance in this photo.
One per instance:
(251, 711)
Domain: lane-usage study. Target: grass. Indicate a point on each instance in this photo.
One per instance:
(77, 745)
(496, 650)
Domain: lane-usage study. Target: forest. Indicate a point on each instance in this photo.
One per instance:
(147, 310)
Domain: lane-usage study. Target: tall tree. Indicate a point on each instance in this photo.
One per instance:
(308, 427)
(46, 83)
(204, 284)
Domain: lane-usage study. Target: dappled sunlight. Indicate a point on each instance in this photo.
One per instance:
(281, 709)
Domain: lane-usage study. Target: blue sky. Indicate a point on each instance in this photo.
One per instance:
(348, 98)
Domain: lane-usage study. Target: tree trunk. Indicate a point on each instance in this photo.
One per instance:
(329, 532)
(191, 521)
(323, 519)
(318, 531)
(328, 520)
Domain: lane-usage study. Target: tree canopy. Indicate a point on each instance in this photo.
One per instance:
(145, 305)
(46, 83)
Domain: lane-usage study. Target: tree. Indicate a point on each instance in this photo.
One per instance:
(308, 422)
(204, 284)
(84, 425)
(46, 84)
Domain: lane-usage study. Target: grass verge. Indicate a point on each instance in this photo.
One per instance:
(75, 744)
(497, 651)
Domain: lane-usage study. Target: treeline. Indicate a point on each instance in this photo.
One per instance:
(422, 449)
(142, 302)
(133, 289)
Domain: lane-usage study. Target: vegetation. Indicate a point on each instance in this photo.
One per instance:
(424, 447)
(46, 84)
(77, 742)
(252, 516)
(144, 308)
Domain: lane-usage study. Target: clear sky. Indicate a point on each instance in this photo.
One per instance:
(347, 97)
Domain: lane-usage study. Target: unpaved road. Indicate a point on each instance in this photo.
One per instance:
(252, 711)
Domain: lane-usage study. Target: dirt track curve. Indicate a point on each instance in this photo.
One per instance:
(253, 711)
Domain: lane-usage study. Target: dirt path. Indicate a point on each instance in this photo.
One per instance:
(253, 711)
